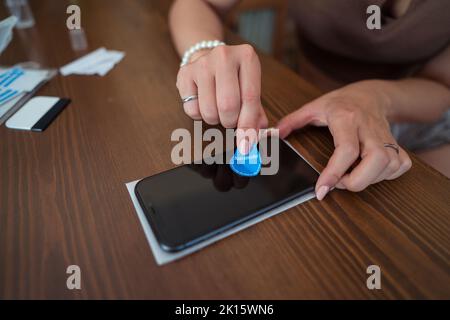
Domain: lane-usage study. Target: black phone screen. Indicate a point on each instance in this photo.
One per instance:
(194, 202)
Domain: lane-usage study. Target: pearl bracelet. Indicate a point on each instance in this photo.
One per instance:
(197, 47)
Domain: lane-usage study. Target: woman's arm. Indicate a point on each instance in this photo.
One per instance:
(192, 21)
(423, 98)
(357, 116)
(227, 79)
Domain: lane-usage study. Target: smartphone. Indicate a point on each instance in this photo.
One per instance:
(194, 202)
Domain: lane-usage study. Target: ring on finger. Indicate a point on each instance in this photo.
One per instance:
(392, 146)
(189, 98)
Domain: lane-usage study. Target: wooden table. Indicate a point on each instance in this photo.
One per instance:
(63, 199)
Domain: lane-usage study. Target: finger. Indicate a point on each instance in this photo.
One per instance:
(393, 164)
(405, 165)
(374, 161)
(295, 120)
(228, 95)
(186, 87)
(340, 185)
(250, 87)
(263, 122)
(346, 141)
(207, 98)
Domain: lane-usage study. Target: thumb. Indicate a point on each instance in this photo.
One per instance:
(295, 120)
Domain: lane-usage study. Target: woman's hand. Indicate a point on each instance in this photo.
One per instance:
(356, 116)
(227, 80)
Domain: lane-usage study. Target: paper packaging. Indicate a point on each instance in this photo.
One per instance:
(30, 80)
(100, 62)
(7, 106)
(162, 257)
(17, 84)
(6, 27)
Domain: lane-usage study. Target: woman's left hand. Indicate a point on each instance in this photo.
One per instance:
(356, 116)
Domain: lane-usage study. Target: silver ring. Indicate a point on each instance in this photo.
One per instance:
(392, 146)
(189, 98)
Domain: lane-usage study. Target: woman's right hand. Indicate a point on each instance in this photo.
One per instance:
(227, 80)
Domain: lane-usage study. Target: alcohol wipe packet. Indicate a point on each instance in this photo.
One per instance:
(6, 33)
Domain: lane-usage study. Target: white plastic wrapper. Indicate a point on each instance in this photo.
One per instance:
(6, 27)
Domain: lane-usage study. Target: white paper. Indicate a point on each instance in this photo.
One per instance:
(29, 80)
(100, 62)
(163, 257)
(16, 81)
(6, 27)
(81, 62)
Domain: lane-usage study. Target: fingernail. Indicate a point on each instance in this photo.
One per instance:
(322, 192)
(243, 146)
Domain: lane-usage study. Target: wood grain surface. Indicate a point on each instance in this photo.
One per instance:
(63, 199)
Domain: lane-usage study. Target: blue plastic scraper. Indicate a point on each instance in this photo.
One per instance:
(248, 165)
